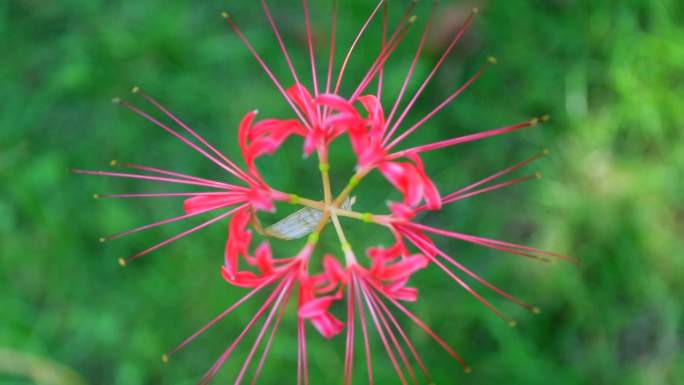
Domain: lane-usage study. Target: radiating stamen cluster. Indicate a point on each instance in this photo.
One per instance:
(367, 287)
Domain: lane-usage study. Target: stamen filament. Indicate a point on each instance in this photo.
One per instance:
(447, 101)
(457, 193)
(401, 331)
(477, 277)
(473, 292)
(470, 238)
(147, 177)
(456, 198)
(382, 47)
(214, 183)
(190, 194)
(432, 334)
(380, 61)
(184, 140)
(410, 74)
(427, 80)
(268, 71)
(463, 139)
(332, 47)
(355, 282)
(230, 309)
(349, 353)
(273, 332)
(351, 49)
(376, 310)
(186, 233)
(158, 224)
(212, 372)
(282, 294)
(243, 174)
(287, 56)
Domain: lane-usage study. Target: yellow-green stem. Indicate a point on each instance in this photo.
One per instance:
(349, 256)
(324, 167)
(353, 182)
(313, 204)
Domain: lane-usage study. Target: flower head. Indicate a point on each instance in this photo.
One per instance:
(368, 285)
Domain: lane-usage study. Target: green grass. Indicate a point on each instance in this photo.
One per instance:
(610, 73)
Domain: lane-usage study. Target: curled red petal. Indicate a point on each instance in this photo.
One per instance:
(387, 254)
(403, 269)
(327, 325)
(314, 138)
(336, 103)
(244, 278)
(238, 242)
(373, 155)
(243, 129)
(264, 258)
(396, 285)
(316, 307)
(402, 211)
(301, 96)
(375, 113)
(409, 294)
(333, 270)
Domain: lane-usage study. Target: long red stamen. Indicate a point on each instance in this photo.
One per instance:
(150, 169)
(267, 323)
(186, 233)
(463, 284)
(349, 354)
(467, 138)
(427, 80)
(299, 344)
(302, 362)
(446, 102)
(287, 56)
(385, 54)
(311, 47)
(364, 329)
(483, 181)
(471, 238)
(375, 310)
(478, 278)
(476, 192)
(147, 177)
(243, 174)
(410, 73)
(214, 369)
(190, 194)
(500, 248)
(382, 334)
(305, 361)
(156, 224)
(332, 47)
(268, 71)
(313, 60)
(432, 334)
(382, 47)
(280, 41)
(351, 49)
(184, 140)
(270, 340)
(230, 309)
(403, 335)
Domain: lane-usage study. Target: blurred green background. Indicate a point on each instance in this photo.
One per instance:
(610, 73)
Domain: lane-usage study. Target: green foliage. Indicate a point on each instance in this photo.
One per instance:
(610, 73)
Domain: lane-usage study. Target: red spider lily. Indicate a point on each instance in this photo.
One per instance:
(323, 117)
